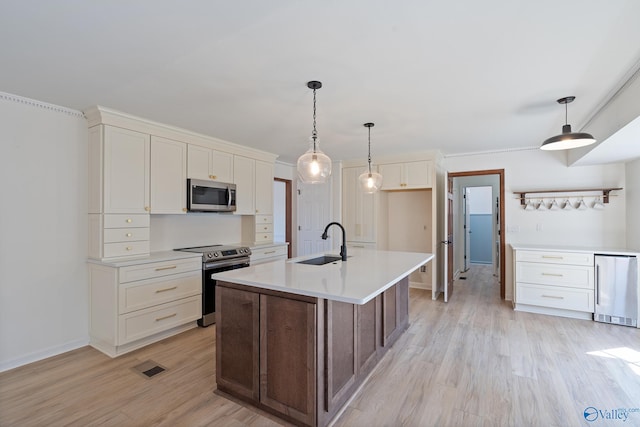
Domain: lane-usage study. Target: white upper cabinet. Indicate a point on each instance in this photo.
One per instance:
(168, 176)
(407, 175)
(205, 163)
(244, 178)
(126, 171)
(264, 188)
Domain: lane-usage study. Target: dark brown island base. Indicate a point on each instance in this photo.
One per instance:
(300, 357)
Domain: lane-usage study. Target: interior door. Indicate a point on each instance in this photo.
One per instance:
(448, 240)
(314, 202)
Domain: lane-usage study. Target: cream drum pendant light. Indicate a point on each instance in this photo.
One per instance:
(370, 182)
(567, 139)
(314, 167)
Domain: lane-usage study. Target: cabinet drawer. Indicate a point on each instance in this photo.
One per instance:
(158, 269)
(113, 235)
(142, 323)
(575, 258)
(126, 221)
(264, 228)
(264, 219)
(555, 297)
(574, 276)
(264, 238)
(148, 293)
(268, 252)
(124, 249)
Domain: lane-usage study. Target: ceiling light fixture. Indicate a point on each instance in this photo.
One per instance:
(370, 182)
(567, 139)
(314, 167)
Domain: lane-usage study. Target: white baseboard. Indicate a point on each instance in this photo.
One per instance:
(419, 285)
(43, 354)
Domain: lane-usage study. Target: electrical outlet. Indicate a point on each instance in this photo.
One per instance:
(423, 269)
(539, 227)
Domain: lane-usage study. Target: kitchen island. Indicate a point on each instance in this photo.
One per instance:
(297, 340)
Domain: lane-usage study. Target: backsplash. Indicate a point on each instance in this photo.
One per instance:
(194, 229)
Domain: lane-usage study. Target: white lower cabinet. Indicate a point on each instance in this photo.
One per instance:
(136, 304)
(557, 283)
(267, 253)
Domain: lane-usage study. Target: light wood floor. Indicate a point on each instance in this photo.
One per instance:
(470, 362)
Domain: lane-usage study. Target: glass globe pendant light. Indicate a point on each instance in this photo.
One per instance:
(314, 167)
(370, 182)
(567, 139)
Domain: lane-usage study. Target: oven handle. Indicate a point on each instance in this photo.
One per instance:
(227, 263)
(229, 197)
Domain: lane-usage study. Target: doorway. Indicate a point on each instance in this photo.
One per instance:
(480, 178)
(282, 206)
(478, 225)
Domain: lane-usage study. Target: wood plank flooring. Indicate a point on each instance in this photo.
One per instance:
(470, 362)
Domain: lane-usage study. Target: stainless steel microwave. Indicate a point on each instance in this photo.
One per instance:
(210, 196)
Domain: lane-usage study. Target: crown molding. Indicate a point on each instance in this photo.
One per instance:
(39, 104)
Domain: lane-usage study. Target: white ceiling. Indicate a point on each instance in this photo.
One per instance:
(459, 76)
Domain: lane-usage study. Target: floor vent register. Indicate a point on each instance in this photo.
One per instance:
(149, 369)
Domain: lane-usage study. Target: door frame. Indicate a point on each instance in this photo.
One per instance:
(287, 209)
(501, 231)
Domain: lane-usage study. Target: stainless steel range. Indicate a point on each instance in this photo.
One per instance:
(216, 258)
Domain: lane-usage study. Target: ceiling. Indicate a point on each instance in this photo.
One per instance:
(458, 76)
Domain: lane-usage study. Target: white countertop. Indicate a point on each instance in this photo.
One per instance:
(582, 249)
(364, 275)
(152, 257)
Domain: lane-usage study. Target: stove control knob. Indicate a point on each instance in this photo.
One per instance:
(215, 254)
(209, 255)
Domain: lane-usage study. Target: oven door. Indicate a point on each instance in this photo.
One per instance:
(209, 286)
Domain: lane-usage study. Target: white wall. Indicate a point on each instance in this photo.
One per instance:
(541, 170)
(43, 231)
(632, 194)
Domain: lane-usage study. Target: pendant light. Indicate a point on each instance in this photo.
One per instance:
(314, 167)
(567, 139)
(370, 182)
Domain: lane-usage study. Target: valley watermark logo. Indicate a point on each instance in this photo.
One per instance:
(592, 413)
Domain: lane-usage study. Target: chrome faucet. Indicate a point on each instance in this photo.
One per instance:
(343, 248)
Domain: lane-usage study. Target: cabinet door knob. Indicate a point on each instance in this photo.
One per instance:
(147, 208)
(184, 209)
(128, 220)
(129, 234)
(128, 248)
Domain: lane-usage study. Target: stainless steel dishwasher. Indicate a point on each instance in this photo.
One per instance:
(616, 289)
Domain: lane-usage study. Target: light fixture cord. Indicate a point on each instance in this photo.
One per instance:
(566, 113)
(369, 150)
(314, 134)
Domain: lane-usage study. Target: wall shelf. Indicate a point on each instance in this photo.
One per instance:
(605, 193)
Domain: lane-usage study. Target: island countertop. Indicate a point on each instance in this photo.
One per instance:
(364, 275)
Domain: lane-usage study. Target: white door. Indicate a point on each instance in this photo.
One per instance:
(447, 240)
(314, 207)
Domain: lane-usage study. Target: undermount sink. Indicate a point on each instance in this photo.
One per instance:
(321, 260)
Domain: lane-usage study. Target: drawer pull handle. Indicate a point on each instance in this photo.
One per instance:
(265, 228)
(270, 252)
(128, 248)
(128, 220)
(171, 267)
(166, 317)
(166, 289)
(552, 257)
(552, 296)
(552, 274)
(129, 234)
(357, 246)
